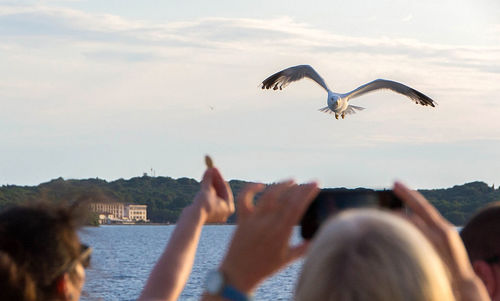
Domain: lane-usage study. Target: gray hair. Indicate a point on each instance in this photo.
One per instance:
(372, 255)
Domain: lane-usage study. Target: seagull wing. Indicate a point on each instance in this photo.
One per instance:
(413, 94)
(281, 79)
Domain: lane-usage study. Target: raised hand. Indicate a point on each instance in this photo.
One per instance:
(446, 241)
(261, 243)
(212, 204)
(215, 197)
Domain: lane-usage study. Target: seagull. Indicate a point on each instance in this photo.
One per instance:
(338, 103)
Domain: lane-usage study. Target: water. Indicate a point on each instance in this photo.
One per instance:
(124, 255)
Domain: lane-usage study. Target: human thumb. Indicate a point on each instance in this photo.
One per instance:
(206, 181)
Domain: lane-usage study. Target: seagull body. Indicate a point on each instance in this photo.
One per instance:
(338, 103)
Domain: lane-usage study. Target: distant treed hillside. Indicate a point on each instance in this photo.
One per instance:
(166, 197)
(458, 203)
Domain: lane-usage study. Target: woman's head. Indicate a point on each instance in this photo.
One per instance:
(40, 244)
(372, 255)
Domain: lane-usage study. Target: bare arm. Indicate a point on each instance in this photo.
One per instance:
(213, 203)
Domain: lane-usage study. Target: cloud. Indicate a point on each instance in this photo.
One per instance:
(282, 34)
(111, 61)
(70, 18)
(128, 56)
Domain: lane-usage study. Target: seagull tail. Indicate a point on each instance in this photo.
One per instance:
(326, 110)
(352, 109)
(357, 108)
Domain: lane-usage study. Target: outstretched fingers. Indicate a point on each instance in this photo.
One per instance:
(272, 196)
(300, 199)
(292, 207)
(261, 243)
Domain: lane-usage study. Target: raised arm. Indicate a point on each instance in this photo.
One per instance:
(447, 242)
(213, 203)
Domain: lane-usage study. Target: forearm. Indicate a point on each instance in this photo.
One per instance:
(171, 272)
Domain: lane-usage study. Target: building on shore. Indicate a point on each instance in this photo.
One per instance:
(136, 212)
(119, 213)
(113, 210)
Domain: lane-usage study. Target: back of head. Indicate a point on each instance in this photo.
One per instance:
(36, 243)
(372, 255)
(481, 234)
(15, 284)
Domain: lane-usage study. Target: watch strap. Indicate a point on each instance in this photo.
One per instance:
(231, 293)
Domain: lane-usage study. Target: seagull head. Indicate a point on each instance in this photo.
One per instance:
(333, 99)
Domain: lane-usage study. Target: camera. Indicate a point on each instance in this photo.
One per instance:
(331, 201)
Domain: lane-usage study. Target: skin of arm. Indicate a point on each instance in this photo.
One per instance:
(261, 243)
(212, 204)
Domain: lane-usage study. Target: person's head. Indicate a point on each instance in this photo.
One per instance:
(41, 257)
(481, 237)
(372, 255)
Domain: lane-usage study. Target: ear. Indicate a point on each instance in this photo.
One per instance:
(485, 272)
(62, 287)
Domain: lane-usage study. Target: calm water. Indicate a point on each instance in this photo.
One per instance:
(124, 255)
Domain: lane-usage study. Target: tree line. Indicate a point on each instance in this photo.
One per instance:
(166, 197)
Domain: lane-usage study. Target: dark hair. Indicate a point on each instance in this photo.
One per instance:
(15, 284)
(481, 234)
(36, 243)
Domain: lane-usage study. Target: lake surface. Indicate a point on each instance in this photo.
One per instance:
(124, 255)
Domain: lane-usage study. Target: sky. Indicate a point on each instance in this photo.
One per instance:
(113, 89)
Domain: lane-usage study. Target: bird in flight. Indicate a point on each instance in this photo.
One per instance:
(338, 103)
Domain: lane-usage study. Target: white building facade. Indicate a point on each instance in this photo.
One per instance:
(115, 209)
(137, 212)
(119, 212)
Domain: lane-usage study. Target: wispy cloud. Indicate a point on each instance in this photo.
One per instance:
(280, 34)
(129, 56)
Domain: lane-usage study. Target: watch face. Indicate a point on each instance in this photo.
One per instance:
(215, 282)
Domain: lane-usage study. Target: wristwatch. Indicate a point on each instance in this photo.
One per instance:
(216, 285)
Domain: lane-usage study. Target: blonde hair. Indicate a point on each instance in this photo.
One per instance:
(372, 255)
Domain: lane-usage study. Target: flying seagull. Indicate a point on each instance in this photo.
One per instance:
(338, 103)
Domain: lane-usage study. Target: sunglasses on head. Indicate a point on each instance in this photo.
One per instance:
(84, 257)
